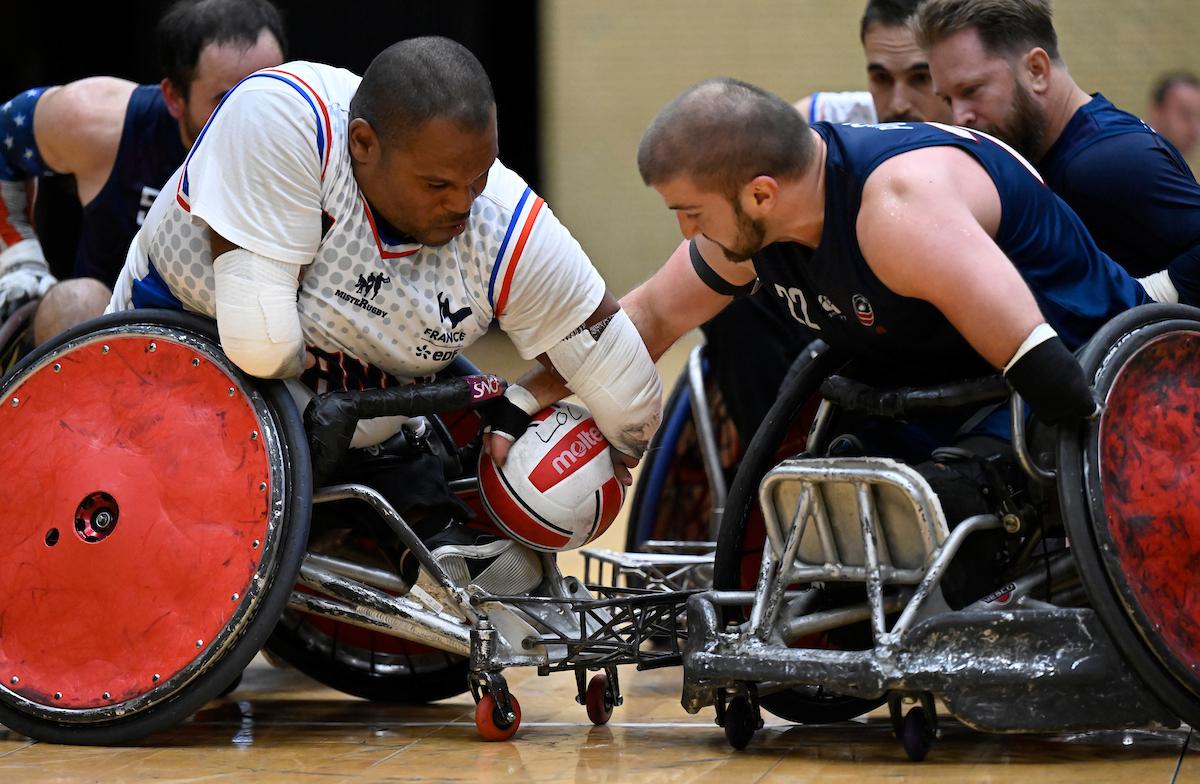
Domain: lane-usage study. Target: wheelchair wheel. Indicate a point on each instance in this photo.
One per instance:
(1128, 483)
(14, 334)
(368, 664)
(742, 536)
(673, 500)
(362, 662)
(156, 512)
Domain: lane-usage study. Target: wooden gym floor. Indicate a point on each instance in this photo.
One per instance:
(279, 726)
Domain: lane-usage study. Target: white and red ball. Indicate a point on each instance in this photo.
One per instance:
(557, 490)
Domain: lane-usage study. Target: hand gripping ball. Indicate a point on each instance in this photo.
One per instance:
(557, 490)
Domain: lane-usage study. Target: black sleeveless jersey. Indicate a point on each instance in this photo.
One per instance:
(149, 153)
(832, 290)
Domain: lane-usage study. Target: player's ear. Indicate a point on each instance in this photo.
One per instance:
(1036, 64)
(174, 98)
(760, 195)
(364, 142)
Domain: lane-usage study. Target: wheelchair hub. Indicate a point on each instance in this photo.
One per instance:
(96, 517)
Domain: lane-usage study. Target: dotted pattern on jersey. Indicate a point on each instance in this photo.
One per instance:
(181, 254)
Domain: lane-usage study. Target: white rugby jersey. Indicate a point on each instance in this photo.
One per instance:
(856, 107)
(271, 172)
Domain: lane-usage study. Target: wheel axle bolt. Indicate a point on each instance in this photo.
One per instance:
(234, 598)
(107, 696)
(16, 401)
(155, 677)
(14, 680)
(58, 695)
(152, 347)
(57, 367)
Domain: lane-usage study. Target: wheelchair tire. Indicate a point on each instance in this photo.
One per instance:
(151, 561)
(13, 335)
(370, 665)
(1126, 483)
(737, 557)
(660, 469)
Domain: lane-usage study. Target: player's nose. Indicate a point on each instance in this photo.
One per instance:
(687, 226)
(963, 114)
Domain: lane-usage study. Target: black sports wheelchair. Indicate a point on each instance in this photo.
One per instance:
(166, 517)
(835, 586)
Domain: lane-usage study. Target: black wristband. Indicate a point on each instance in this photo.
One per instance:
(1050, 379)
(506, 418)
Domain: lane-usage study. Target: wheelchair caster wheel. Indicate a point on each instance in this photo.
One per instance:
(599, 700)
(917, 734)
(491, 724)
(740, 723)
(232, 687)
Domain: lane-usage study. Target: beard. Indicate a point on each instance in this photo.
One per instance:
(1025, 127)
(750, 235)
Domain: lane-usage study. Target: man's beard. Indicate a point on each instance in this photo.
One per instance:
(750, 235)
(1025, 127)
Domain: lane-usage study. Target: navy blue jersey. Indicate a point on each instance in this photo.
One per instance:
(149, 153)
(832, 290)
(1132, 189)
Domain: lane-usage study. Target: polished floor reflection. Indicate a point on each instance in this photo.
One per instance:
(280, 726)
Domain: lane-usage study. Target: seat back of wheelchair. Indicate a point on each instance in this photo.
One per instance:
(1085, 630)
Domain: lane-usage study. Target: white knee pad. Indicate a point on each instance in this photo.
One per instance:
(616, 379)
(257, 317)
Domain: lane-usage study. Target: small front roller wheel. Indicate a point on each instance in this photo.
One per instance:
(489, 721)
(599, 699)
(740, 723)
(917, 734)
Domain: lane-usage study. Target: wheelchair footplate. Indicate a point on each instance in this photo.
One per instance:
(561, 626)
(571, 628)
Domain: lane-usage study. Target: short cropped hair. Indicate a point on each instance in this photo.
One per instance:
(414, 81)
(722, 133)
(1169, 80)
(889, 13)
(190, 25)
(1006, 27)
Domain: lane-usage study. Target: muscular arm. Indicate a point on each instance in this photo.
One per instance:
(78, 129)
(664, 308)
(926, 227)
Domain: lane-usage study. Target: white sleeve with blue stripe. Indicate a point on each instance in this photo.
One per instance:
(254, 173)
(546, 286)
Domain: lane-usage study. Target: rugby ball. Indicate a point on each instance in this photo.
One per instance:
(557, 490)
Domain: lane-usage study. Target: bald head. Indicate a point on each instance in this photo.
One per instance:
(721, 134)
(414, 81)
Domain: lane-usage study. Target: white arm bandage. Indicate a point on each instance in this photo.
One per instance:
(1160, 288)
(616, 379)
(257, 317)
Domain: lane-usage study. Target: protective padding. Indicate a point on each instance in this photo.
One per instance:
(1150, 479)
(174, 441)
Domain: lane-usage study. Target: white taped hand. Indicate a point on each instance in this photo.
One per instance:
(24, 274)
(257, 317)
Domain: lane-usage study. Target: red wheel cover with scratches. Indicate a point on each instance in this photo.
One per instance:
(159, 431)
(1150, 479)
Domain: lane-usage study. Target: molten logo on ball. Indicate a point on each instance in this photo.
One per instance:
(582, 444)
(557, 490)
